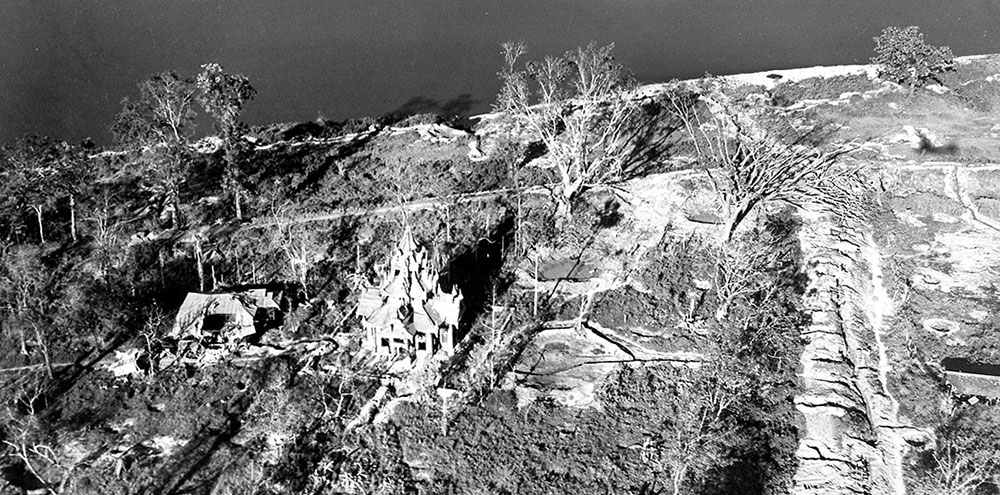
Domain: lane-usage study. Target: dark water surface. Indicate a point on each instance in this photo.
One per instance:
(66, 64)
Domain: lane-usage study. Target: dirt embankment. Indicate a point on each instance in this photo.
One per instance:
(850, 441)
(853, 440)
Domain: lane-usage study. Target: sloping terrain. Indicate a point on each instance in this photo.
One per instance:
(628, 348)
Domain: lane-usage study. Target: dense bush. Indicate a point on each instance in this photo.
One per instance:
(904, 58)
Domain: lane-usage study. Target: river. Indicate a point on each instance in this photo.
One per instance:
(66, 64)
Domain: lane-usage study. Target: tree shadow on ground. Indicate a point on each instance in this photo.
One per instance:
(476, 272)
(454, 111)
(328, 279)
(193, 471)
(651, 138)
(314, 178)
(196, 468)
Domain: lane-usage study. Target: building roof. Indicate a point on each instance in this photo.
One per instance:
(369, 301)
(241, 306)
(973, 384)
(568, 269)
(410, 286)
(968, 378)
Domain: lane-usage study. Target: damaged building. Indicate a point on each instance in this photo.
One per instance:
(225, 317)
(408, 313)
(971, 379)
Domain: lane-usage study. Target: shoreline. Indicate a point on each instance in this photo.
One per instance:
(767, 79)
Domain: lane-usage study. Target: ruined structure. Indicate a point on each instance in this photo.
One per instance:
(408, 313)
(224, 317)
(972, 379)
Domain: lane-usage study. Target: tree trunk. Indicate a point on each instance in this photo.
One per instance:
(534, 306)
(201, 270)
(159, 255)
(303, 274)
(723, 310)
(176, 218)
(564, 211)
(72, 217)
(677, 479)
(45, 351)
(737, 216)
(24, 343)
(38, 217)
(239, 210)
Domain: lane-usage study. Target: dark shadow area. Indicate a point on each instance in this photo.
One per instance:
(63, 379)
(179, 477)
(18, 476)
(925, 146)
(307, 161)
(303, 130)
(610, 215)
(650, 139)
(327, 279)
(476, 272)
(196, 468)
(331, 158)
(454, 112)
(964, 365)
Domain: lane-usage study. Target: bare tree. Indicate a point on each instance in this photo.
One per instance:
(750, 167)
(739, 273)
(107, 231)
(697, 430)
(156, 128)
(161, 114)
(755, 173)
(35, 171)
(514, 90)
(25, 286)
(300, 246)
(23, 442)
(966, 455)
(582, 113)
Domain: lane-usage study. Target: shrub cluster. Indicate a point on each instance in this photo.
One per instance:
(904, 58)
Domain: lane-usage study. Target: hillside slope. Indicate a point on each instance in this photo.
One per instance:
(630, 348)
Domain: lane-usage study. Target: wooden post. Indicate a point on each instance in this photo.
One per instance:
(517, 229)
(535, 311)
(72, 217)
(239, 210)
(38, 216)
(159, 255)
(201, 269)
(357, 263)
